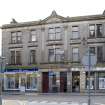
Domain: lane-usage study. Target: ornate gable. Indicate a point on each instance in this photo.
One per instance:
(53, 18)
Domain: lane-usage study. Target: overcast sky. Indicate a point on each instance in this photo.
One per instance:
(32, 10)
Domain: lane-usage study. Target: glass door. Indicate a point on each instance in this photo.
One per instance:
(22, 82)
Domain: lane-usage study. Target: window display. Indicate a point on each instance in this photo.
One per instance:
(12, 81)
(101, 83)
(31, 82)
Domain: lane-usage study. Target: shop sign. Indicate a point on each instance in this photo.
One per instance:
(22, 70)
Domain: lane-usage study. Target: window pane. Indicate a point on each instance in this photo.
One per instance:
(33, 32)
(33, 35)
(13, 37)
(19, 33)
(92, 80)
(58, 30)
(51, 30)
(75, 35)
(51, 36)
(75, 50)
(99, 53)
(75, 54)
(51, 55)
(58, 36)
(75, 32)
(92, 50)
(32, 56)
(12, 57)
(33, 38)
(54, 33)
(18, 57)
(19, 36)
(92, 31)
(99, 30)
(75, 57)
(10, 82)
(92, 27)
(31, 82)
(75, 28)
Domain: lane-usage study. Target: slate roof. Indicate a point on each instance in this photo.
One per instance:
(15, 24)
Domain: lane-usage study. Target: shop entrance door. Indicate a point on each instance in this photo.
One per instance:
(75, 81)
(45, 82)
(63, 81)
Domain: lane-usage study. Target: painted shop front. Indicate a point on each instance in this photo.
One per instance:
(54, 80)
(76, 80)
(21, 80)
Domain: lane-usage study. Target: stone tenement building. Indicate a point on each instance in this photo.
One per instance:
(45, 55)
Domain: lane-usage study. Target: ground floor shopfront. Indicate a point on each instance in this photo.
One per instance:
(60, 80)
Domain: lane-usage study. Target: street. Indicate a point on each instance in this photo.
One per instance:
(55, 99)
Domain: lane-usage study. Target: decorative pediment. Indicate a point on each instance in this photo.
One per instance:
(53, 18)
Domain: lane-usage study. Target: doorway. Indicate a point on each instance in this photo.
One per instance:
(75, 81)
(45, 82)
(22, 81)
(63, 81)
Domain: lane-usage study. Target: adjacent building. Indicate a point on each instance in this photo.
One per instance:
(45, 55)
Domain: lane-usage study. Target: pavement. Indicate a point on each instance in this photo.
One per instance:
(53, 99)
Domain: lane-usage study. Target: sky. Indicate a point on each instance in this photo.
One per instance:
(33, 10)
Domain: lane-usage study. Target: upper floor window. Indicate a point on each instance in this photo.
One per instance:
(99, 30)
(98, 51)
(75, 32)
(56, 55)
(92, 31)
(54, 33)
(99, 54)
(95, 30)
(16, 57)
(16, 37)
(92, 50)
(32, 56)
(33, 37)
(75, 54)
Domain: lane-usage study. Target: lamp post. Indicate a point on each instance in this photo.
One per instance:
(1, 71)
(89, 60)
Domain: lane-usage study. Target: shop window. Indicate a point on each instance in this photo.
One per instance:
(92, 79)
(12, 81)
(101, 80)
(54, 79)
(31, 82)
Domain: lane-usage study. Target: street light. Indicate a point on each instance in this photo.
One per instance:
(88, 61)
(1, 71)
